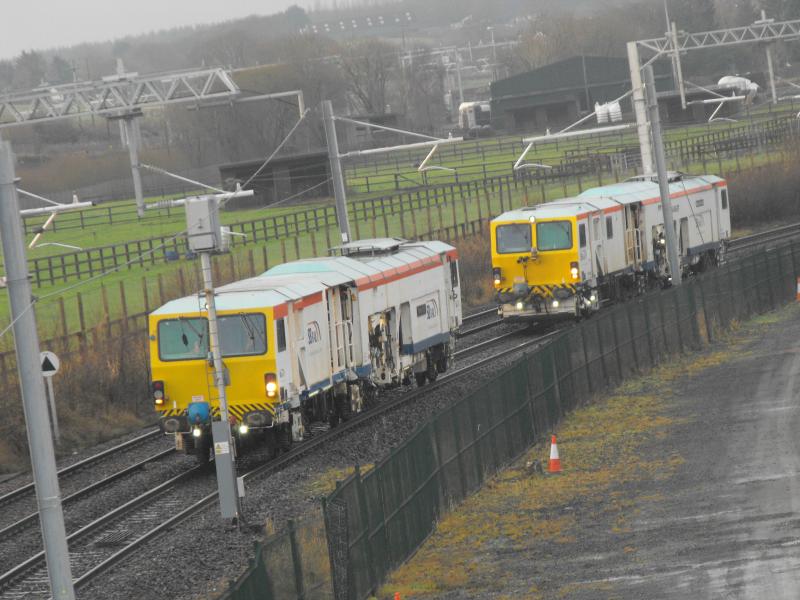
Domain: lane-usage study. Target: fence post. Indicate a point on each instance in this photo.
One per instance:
(106, 312)
(633, 338)
(462, 474)
(124, 303)
(704, 306)
(365, 525)
(81, 319)
(678, 320)
(556, 382)
(586, 362)
(144, 295)
(64, 326)
(476, 442)
(615, 336)
(296, 561)
(602, 351)
(337, 536)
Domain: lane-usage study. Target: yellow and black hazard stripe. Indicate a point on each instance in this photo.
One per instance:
(240, 410)
(236, 409)
(171, 412)
(547, 291)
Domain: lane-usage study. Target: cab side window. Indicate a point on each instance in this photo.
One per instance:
(280, 330)
(609, 228)
(724, 197)
(582, 235)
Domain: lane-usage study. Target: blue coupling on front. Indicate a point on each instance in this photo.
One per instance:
(198, 412)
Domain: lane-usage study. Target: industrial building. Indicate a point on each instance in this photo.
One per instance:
(283, 177)
(559, 93)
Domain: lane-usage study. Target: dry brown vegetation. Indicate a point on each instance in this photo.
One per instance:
(766, 194)
(475, 265)
(101, 393)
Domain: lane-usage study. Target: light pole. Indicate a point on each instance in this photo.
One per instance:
(34, 404)
(494, 54)
(335, 159)
(673, 257)
(204, 236)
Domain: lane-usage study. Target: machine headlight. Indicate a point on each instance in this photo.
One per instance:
(520, 305)
(271, 384)
(574, 269)
(197, 432)
(497, 274)
(555, 303)
(159, 401)
(243, 429)
(592, 298)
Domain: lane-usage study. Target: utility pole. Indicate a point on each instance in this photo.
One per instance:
(335, 159)
(37, 420)
(640, 108)
(770, 68)
(204, 235)
(458, 78)
(673, 257)
(133, 133)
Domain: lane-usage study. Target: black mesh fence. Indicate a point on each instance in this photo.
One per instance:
(292, 565)
(376, 520)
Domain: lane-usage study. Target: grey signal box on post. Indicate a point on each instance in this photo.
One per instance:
(202, 224)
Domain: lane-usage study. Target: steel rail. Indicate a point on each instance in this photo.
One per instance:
(479, 314)
(31, 518)
(763, 237)
(14, 574)
(84, 463)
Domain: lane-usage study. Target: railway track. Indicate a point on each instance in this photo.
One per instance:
(762, 238)
(105, 542)
(33, 518)
(28, 489)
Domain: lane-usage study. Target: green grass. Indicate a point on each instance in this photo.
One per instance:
(157, 223)
(470, 167)
(417, 223)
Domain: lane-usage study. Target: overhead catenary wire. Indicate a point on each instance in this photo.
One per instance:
(277, 149)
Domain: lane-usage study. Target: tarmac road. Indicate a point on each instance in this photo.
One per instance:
(727, 524)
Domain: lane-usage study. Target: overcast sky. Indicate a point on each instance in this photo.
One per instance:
(51, 23)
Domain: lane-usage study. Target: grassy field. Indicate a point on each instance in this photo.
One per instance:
(146, 286)
(469, 160)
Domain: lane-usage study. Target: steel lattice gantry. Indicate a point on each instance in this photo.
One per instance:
(758, 32)
(118, 96)
(674, 43)
(124, 97)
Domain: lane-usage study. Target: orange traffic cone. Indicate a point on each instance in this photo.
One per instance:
(555, 461)
(397, 596)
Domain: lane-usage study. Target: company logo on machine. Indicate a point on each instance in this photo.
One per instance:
(313, 333)
(429, 310)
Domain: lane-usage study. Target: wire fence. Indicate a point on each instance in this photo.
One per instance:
(290, 564)
(572, 158)
(376, 521)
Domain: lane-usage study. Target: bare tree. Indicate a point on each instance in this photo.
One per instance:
(368, 66)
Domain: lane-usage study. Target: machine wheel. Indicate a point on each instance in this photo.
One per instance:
(442, 364)
(432, 373)
(421, 378)
(202, 451)
(283, 437)
(343, 408)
